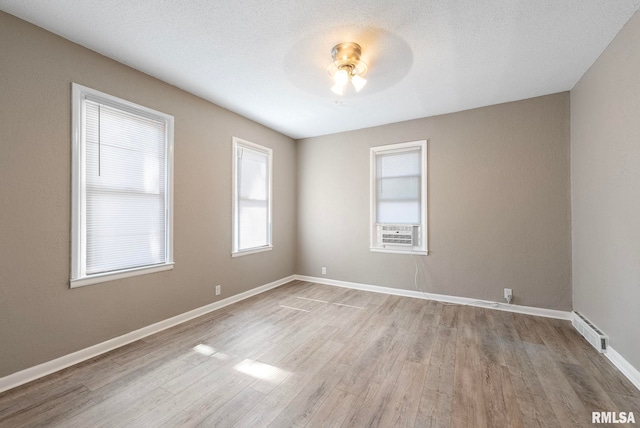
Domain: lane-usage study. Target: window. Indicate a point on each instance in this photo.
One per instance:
(399, 198)
(251, 198)
(122, 188)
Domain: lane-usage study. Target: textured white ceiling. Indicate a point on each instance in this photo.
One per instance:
(267, 60)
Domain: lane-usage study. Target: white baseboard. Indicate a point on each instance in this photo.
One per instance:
(32, 373)
(528, 310)
(632, 373)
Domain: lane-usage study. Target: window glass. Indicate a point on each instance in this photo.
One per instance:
(252, 189)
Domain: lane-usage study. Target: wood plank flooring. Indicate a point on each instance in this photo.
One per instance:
(320, 356)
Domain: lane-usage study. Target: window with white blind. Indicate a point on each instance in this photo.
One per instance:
(251, 198)
(122, 188)
(399, 198)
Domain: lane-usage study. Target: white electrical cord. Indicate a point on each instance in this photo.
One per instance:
(426, 295)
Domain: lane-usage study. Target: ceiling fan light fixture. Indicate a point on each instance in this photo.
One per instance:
(347, 67)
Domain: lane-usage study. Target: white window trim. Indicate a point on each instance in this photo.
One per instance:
(235, 252)
(79, 278)
(241, 253)
(423, 248)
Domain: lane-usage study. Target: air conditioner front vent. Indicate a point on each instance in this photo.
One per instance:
(397, 234)
(590, 332)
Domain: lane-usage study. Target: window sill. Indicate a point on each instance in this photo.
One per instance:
(399, 251)
(251, 251)
(112, 276)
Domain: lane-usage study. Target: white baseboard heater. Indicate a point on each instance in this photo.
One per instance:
(594, 336)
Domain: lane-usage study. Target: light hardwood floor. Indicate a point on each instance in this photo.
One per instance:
(320, 356)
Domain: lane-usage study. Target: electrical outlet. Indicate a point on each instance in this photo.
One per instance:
(508, 294)
(324, 270)
(218, 290)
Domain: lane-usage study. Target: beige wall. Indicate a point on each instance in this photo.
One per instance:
(40, 317)
(499, 204)
(605, 174)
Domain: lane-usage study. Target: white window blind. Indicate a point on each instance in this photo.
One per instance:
(398, 187)
(125, 212)
(252, 217)
(122, 200)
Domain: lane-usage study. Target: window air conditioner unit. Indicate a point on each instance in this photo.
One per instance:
(398, 234)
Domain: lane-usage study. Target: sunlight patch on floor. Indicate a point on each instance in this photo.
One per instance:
(205, 350)
(349, 306)
(295, 309)
(313, 300)
(262, 371)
